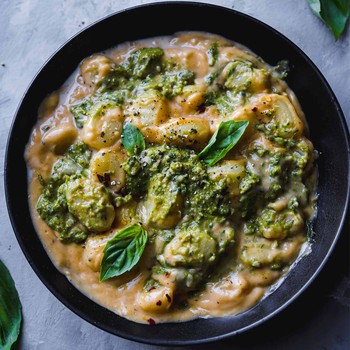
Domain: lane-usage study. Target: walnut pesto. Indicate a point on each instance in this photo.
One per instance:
(172, 178)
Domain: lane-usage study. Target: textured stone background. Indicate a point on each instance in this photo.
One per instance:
(30, 31)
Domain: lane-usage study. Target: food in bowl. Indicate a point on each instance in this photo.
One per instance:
(172, 178)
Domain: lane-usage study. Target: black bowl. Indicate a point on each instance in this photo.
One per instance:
(328, 132)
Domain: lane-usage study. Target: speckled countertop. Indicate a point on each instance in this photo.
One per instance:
(30, 31)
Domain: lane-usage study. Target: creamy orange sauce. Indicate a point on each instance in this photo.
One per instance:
(233, 287)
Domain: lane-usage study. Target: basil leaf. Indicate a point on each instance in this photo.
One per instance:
(315, 6)
(132, 139)
(10, 310)
(123, 251)
(334, 13)
(224, 138)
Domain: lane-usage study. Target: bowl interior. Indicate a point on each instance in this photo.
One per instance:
(328, 132)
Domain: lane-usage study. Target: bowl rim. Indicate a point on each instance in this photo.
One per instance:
(141, 339)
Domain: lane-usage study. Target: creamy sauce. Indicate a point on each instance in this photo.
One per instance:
(235, 284)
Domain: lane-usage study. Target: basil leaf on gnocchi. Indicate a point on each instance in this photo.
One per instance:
(132, 139)
(224, 139)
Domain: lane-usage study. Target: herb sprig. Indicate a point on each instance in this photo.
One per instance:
(334, 13)
(10, 310)
(132, 139)
(225, 137)
(123, 251)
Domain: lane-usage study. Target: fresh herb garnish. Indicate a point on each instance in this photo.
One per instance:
(334, 13)
(132, 139)
(123, 251)
(223, 140)
(10, 310)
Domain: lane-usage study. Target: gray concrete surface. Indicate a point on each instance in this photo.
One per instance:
(30, 31)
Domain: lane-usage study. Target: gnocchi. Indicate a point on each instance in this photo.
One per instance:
(173, 178)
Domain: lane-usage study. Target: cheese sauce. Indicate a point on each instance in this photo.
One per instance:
(264, 186)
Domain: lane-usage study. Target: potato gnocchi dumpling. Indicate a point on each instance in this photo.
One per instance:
(94, 69)
(173, 178)
(103, 128)
(106, 167)
(148, 109)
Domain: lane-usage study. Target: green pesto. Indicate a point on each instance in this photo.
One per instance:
(181, 204)
(281, 134)
(143, 62)
(119, 200)
(171, 83)
(52, 208)
(278, 222)
(189, 253)
(264, 234)
(225, 101)
(89, 202)
(256, 253)
(239, 78)
(145, 69)
(187, 279)
(281, 171)
(94, 108)
(239, 75)
(248, 182)
(191, 247)
(285, 170)
(281, 69)
(184, 172)
(163, 203)
(189, 214)
(71, 204)
(80, 112)
(213, 54)
(211, 77)
(153, 73)
(74, 162)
